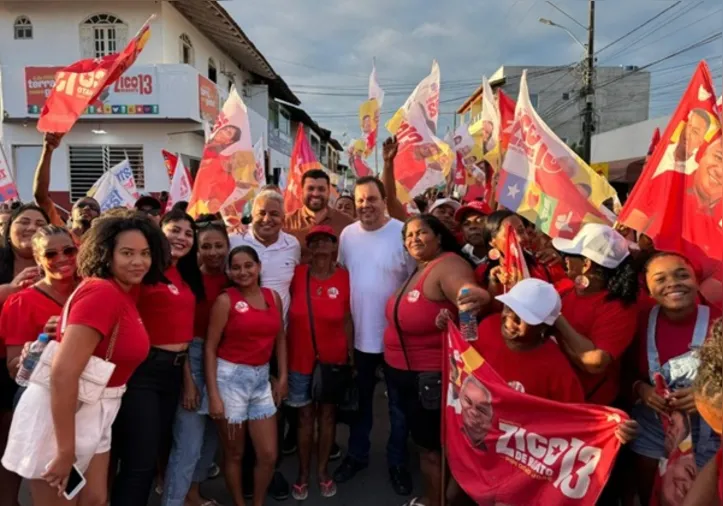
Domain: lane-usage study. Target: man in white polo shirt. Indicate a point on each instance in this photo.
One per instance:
(279, 253)
(373, 252)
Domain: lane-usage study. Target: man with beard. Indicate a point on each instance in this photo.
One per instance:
(85, 209)
(315, 189)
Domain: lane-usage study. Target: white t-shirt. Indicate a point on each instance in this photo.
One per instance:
(378, 265)
(278, 262)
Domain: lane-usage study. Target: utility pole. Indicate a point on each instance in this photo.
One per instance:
(589, 91)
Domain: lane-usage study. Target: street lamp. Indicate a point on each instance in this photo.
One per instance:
(549, 22)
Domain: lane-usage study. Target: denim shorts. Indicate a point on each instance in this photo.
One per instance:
(651, 439)
(299, 390)
(245, 391)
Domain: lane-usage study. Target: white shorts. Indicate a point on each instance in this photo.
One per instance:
(31, 442)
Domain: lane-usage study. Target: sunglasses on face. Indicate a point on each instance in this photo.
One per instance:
(87, 205)
(151, 212)
(69, 251)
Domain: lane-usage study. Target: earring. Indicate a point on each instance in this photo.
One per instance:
(582, 281)
(494, 254)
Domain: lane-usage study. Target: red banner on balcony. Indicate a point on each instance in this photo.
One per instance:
(82, 83)
(208, 100)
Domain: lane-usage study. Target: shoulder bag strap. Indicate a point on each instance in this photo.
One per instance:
(311, 314)
(113, 335)
(700, 332)
(396, 318)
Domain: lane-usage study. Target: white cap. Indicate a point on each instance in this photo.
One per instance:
(599, 243)
(534, 301)
(445, 202)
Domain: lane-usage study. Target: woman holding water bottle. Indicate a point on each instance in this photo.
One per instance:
(35, 309)
(442, 285)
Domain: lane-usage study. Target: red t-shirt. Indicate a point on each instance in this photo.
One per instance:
(213, 285)
(24, 316)
(330, 301)
(544, 371)
(671, 338)
(250, 333)
(101, 305)
(417, 315)
(168, 310)
(611, 328)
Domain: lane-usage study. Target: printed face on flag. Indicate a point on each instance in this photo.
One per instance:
(426, 94)
(369, 116)
(476, 411)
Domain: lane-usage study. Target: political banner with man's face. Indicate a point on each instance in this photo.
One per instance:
(678, 199)
(425, 94)
(507, 447)
(82, 82)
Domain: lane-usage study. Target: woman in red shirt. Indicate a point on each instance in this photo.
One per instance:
(17, 271)
(26, 313)
(146, 417)
(330, 341)
(194, 435)
(413, 339)
(667, 335)
(245, 327)
(599, 315)
(50, 432)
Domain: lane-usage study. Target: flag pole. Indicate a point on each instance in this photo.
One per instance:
(376, 154)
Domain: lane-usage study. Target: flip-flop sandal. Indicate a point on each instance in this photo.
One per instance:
(300, 491)
(328, 488)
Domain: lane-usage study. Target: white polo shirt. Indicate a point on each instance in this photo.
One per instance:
(278, 261)
(378, 265)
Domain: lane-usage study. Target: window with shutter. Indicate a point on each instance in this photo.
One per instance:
(23, 28)
(101, 35)
(88, 163)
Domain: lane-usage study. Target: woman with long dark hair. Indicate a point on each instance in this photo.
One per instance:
(18, 271)
(669, 334)
(245, 327)
(51, 429)
(442, 284)
(167, 309)
(599, 315)
(194, 434)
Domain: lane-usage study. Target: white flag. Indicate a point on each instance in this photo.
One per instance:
(180, 186)
(110, 193)
(123, 173)
(427, 94)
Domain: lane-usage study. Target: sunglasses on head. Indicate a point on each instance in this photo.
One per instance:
(68, 251)
(204, 224)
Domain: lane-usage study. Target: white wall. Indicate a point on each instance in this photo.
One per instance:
(174, 24)
(153, 136)
(56, 38)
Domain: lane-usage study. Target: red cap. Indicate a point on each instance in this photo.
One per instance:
(321, 230)
(476, 206)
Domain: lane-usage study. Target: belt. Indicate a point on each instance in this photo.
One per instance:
(176, 358)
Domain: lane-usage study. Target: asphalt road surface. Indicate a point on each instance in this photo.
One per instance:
(370, 486)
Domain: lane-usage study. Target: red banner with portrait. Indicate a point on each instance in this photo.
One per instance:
(302, 159)
(507, 447)
(82, 82)
(677, 200)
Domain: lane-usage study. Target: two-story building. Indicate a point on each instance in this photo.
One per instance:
(195, 54)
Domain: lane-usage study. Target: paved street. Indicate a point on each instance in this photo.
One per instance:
(371, 485)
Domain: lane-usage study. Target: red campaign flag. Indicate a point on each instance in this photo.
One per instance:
(507, 117)
(654, 141)
(171, 160)
(677, 200)
(81, 83)
(303, 159)
(515, 264)
(506, 447)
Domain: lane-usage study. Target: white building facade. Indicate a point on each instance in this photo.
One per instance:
(195, 54)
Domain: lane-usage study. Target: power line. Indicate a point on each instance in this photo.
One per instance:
(638, 27)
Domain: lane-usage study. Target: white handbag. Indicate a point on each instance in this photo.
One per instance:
(94, 377)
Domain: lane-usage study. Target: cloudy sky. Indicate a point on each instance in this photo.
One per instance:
(324, 48)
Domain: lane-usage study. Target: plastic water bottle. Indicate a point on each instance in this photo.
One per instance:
(31, 360)
(467, 322)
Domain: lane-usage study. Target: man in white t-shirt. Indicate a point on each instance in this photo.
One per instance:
(373, 252)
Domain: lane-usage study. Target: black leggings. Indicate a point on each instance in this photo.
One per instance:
(144, 421)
